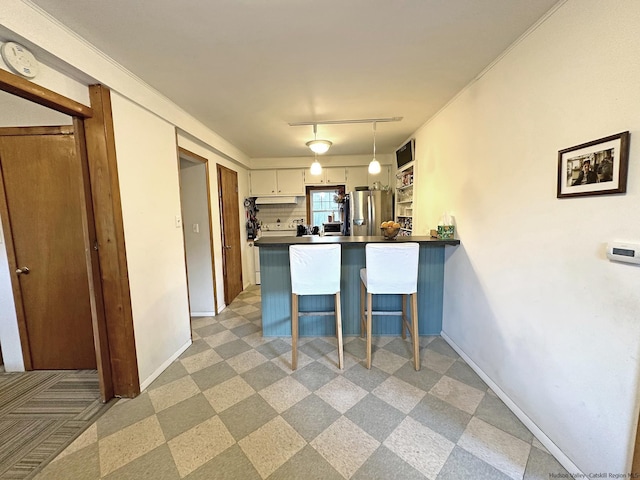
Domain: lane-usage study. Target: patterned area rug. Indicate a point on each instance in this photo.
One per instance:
(41, 413)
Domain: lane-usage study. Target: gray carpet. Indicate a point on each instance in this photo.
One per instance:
(41, 413)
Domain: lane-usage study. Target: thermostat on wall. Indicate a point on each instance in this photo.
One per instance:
(624, 252)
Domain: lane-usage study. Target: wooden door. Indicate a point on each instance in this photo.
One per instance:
(45, 210)
(230, 218)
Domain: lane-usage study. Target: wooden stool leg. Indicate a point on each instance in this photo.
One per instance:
(369, 315)
(404, 317)
(339, 332)
(362, 328)
(415, 335)
(294, 331)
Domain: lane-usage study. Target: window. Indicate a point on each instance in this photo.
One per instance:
(323, 206)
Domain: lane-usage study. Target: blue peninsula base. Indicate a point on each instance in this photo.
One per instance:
(276, 289)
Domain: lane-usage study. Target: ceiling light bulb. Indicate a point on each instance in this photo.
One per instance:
(316, 168)
(374, 167)
(319, 146)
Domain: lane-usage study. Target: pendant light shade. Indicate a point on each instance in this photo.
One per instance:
(318, 146)
(316, 168)
(374, 165)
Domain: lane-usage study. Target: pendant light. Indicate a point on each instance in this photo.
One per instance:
(318, 146)
(374, 165)
(316, 168)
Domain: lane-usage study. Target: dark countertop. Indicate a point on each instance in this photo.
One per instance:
(343, 240)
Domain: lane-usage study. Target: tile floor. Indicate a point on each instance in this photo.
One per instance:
(231, 408)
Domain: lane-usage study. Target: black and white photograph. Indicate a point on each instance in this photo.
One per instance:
(594, 168)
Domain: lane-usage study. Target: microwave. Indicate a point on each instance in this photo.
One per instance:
(332, 228)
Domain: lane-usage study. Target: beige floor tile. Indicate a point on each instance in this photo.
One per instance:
(130, 443)
(246, 309)
(436, 361)
(496, 447)
(256, 339)
(88, 437)
(399, 394)
(200, 360)
(234, 322)
(341, 394)
(387, 361)
(196, 446)
(419, 446)
(251, 299)
(220, 338)
(173, 393)
(458, 394)
(345, 446)
(284, 361)
(228, 393)
(331, 361)
(246, 361)
(271, 446)
(284, 393)
(200, 322)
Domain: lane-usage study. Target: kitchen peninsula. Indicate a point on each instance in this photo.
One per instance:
(276, 287)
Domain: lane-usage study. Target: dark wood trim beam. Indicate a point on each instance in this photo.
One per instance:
(23, 88)
(105, 188)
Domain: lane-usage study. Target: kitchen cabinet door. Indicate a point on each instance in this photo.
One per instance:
(382, 177)
(357, 177)
(335, 175)
(263, 182)
(290, 182)
(328, 176)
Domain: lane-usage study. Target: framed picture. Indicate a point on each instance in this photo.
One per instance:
(594, 168)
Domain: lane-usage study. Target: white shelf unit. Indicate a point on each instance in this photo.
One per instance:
(404, 199)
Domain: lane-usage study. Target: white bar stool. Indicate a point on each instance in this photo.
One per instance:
(391, 269)
(315, 270)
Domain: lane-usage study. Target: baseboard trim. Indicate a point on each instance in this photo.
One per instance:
(164, 366)
(539, 434)
(203, 314)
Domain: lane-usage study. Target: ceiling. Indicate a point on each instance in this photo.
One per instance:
(248, 68)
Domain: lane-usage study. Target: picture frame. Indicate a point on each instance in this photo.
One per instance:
(594, 168)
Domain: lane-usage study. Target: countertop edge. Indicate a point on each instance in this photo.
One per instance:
(344, 240)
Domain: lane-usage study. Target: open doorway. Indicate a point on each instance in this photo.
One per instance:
(198, 241)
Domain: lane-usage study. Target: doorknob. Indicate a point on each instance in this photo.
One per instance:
(23, 270)
(228, 247)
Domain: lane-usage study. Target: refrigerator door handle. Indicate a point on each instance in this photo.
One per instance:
(372, 214)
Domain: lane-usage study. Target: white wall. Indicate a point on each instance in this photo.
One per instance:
(530, 297)
(193, 195)
(150, 195)
(9, 334)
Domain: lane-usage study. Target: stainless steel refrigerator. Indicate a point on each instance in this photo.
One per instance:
(367, 210)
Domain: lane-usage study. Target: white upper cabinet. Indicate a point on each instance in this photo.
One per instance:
(382, 177)
(357, 177)
(328, 176)
(360, 177)
(277, 182)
